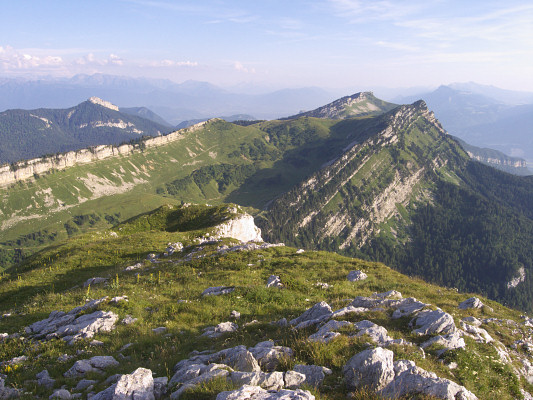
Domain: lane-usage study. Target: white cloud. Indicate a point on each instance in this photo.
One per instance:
(172, 63)
(12, 59)
(241, 68)
(363, 10)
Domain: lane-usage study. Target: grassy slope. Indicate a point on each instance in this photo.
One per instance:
(282, 153)
(52, 280)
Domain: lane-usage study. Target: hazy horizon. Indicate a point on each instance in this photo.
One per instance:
(324, 43)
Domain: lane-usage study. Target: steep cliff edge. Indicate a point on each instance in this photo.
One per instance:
(349, 199)
(20, 171)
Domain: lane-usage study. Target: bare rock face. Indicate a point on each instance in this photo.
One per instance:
(241, 228)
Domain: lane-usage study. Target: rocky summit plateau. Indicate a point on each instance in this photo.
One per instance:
(188, 302)
(353, 251)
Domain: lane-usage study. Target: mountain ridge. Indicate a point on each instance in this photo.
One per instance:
(47, 131)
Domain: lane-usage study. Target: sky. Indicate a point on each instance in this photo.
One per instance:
(272, 43)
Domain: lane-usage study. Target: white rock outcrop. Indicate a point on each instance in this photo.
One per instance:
(241, 228)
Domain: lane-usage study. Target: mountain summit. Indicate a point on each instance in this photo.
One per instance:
(357, 105)
(27, 134)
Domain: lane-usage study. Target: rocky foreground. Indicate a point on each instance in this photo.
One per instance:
(378, 341)
(260, 371)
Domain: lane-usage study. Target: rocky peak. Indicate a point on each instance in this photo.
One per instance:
(103, 103)
(358, 104)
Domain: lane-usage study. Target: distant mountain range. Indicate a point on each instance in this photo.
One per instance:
(484, 116)
(172, 101)
(26, 134)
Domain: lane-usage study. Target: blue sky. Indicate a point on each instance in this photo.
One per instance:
(271, 43)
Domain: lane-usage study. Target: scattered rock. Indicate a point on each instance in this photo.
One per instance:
(128, 320)
(433, 322)
(44, 379)
(314, 315)
(410, 379)
(270, 356)
(218, 290)
(293, 379)
(235, 314)
(348, 310)
(139, 385)
(407, 307)
(61, 394)
(375, 369)
(473, 302)
(266, 380)
(134, 267)
(447, 342)
(326, 332)
(160, 387)
(118, 299)
(314, 374)
(354, 276)
(95, 364)
(274, 281)
(84, 384)
(94, 281)
(300, 251)
(70, 328)
(480, 335)
(220, 329)
(371, 368)
(247, 392)
(159, 330)
(7, 392)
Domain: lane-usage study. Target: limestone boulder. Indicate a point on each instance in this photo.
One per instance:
(314, 374)
(218, 290)
(410, 379)
(354, 276)
(247, 392)
(220, 329)
(139, 385)
(445, 343)
(274, 281)
(318, 313)
(270, 356)
(266, 380)
(432, 322)
(372, 368)
(96, 364)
